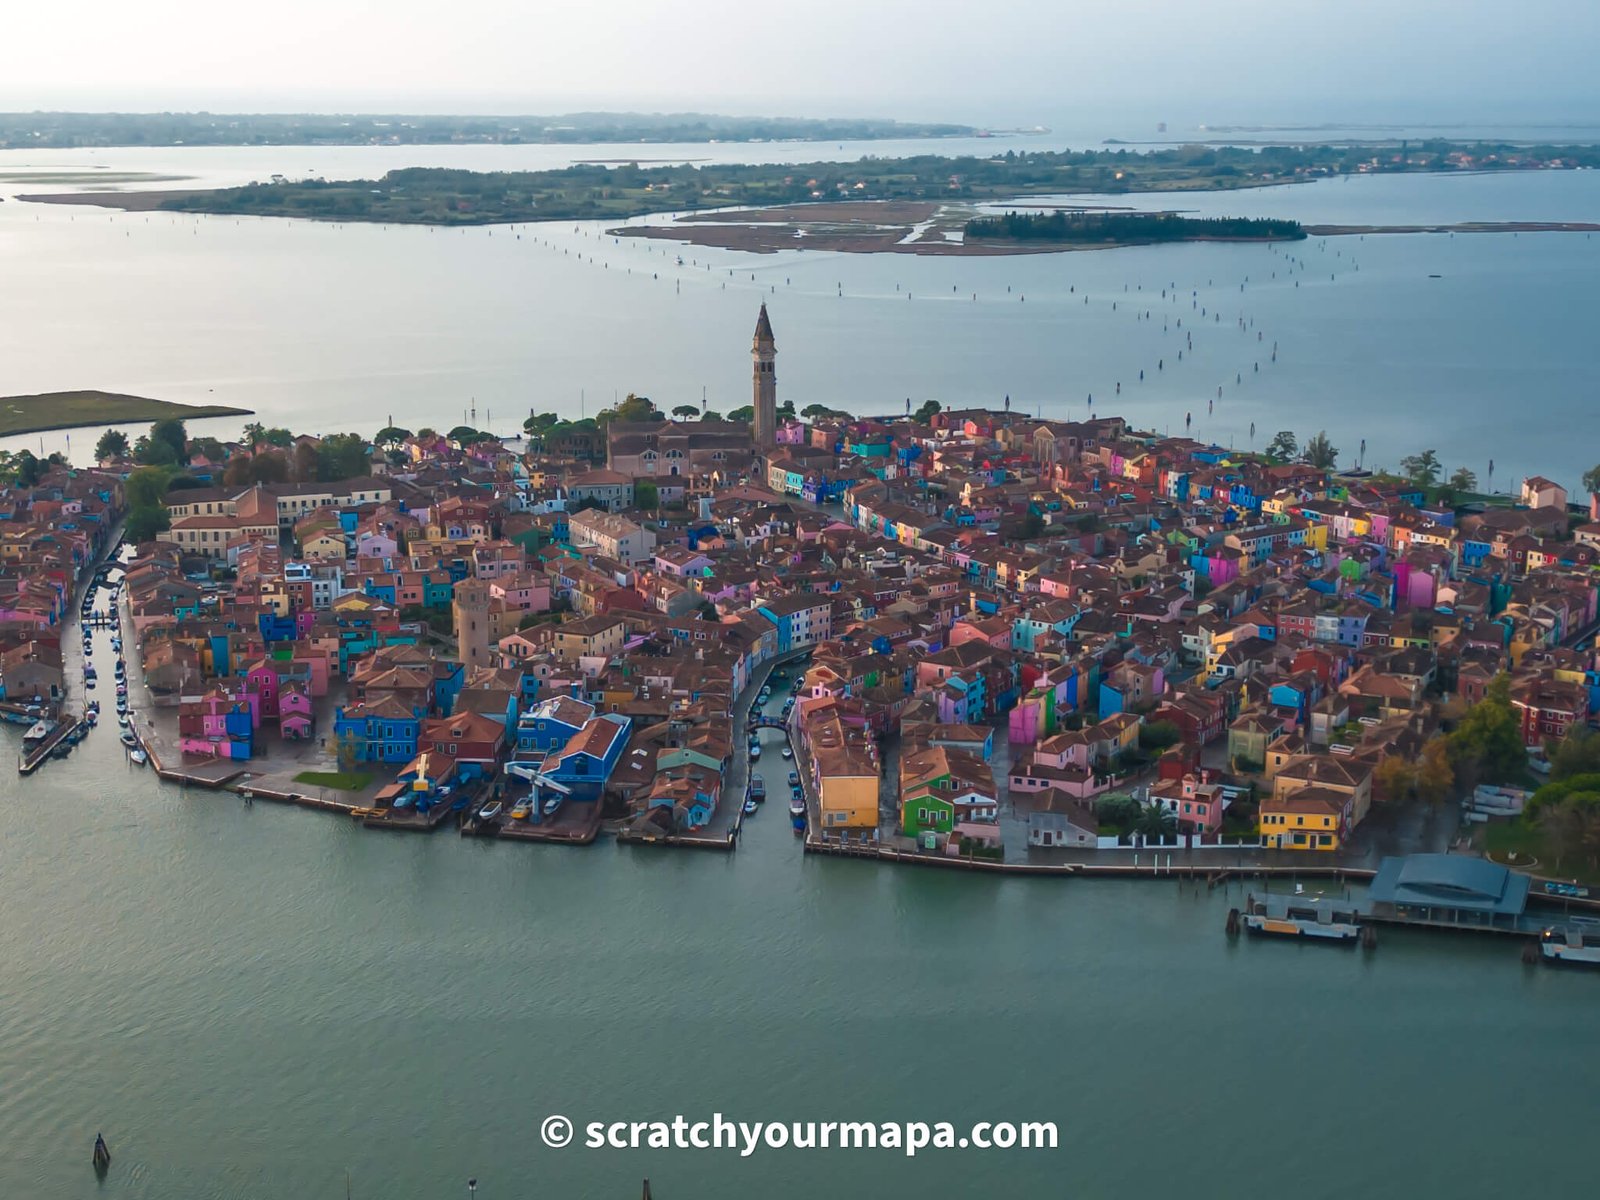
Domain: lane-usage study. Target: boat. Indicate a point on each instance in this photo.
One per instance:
(1302, 916)
(489, 811)
(129, 738)
(1572, 945)
(758, 787)
(139, 756)
(797, 807)
(749, 807)
(520, 811)
(38, 731)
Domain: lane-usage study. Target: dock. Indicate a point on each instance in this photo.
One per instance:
(31, 760)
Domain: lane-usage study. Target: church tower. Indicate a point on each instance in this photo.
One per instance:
(765, 353)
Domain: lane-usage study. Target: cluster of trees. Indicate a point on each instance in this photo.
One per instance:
(1567, 808)
(336, 456)
(1123, 227)
(1485, 746)
(24, 467)
(1319, 450)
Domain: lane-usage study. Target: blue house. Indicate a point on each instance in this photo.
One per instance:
(586, 761)
(551, 725)
(385, 730)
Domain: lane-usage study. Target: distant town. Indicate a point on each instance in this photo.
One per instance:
(57, 130)
(964, 637)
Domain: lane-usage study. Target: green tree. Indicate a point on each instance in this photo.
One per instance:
(1284, 445)
(279, 437)
(1463, 479)
(1154, 821)
(1422, 469)
(147, 487)
(645, 494)
(269, 466)
(151, 452)
(113, 443)
(685, 412)
(1435, 776)
(1591, 480)
(342, 456)
(630, 408)
(1158, 735)
(253, 434)
(306, 463)
(1487, 746)
(743, 415)
(813, 411)
(171, 431)
(209, 447)
(144, 523)
(1320, 452)
(391, 435)
(1578, 754)
(1395, 776)
(928, 410)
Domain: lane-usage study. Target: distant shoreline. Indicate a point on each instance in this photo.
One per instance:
(45, 412)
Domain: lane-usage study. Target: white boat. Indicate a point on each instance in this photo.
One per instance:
(129, 738)
(139, 756)
(1571, 946)
(38, 731)
(1301, 916)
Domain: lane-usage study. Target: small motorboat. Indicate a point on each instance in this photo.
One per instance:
(490, 811)
(129, 738)
(38, 731)
(797, 808)
(139, 756)
(520, 811)
(749, 807)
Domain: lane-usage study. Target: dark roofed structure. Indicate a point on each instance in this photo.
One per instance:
(1449, 888)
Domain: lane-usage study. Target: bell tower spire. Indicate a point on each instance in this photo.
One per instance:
(764, 350)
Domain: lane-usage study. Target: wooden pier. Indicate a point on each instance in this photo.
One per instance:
(31, 760)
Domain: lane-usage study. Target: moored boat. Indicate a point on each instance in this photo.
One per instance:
(139, 756)
(1571, 945)
(1301, 916)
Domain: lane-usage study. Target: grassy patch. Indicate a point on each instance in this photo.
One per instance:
(72, 410)
(1501, 838)
(347, 781)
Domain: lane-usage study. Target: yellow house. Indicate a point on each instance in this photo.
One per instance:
(1331, 773)
(844, 769)
(1312, 818)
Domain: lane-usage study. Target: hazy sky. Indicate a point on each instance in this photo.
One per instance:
(1013, 61)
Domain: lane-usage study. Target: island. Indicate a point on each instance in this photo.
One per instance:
(1087, 228)
(595, 190)
(72, 410)
(69, 130)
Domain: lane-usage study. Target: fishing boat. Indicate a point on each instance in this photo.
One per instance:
(1301, 916)
(1572, 945)
(139, 756)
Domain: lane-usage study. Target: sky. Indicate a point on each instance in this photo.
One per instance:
(1017, 62)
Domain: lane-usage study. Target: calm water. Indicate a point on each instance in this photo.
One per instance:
(250, 1002)
(324, 327)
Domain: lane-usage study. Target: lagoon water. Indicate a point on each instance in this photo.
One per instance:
(1477, 345)
(252, 1002)
(263, 1003)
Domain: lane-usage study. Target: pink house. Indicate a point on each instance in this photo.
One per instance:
(295, 715)
(1198, 805)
